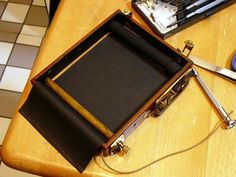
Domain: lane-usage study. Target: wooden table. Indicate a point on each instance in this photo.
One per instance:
(186, 121)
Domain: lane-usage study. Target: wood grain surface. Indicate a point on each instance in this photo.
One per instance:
(184, 123)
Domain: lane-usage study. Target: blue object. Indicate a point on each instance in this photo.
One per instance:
(234, 62)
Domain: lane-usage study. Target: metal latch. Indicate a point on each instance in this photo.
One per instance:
(119, 146)
(189, 45)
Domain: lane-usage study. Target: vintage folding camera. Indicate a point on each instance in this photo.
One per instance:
(167, 17)
(100, 90)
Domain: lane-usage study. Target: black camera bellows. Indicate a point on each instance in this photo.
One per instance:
(145, 49)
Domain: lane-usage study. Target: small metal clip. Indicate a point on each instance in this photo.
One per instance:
(152, 17)
(189, 45)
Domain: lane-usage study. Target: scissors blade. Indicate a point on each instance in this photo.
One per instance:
(230, 75)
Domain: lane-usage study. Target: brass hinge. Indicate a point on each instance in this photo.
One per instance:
(127, 12)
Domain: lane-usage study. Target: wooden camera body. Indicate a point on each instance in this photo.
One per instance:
(97, 92)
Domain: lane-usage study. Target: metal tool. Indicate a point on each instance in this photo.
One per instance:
(195, 4)
(228, 74)
(230, 123)
(198, 11)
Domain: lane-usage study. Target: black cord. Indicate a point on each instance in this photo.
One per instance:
(215, 128)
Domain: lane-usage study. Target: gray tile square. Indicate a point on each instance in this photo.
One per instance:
(23, 56)
(2, 7)
(10, 27)
(8, 37)
(33, 16)
(1, 70)
(21, 1)
(8, 103)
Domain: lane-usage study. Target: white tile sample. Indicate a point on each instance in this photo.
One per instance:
(15, 12)
(5, 51)
(29, 40)
(14, 79)
(39, 2)
(4, 123)
(33, 30)
(48, 4)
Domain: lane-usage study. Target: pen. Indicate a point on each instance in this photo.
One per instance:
(195, 4)
(198, 11)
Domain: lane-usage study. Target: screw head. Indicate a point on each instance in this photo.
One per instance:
(231, 124)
